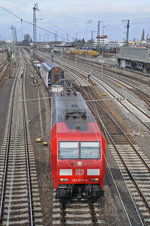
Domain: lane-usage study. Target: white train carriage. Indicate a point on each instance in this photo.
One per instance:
(53, 76)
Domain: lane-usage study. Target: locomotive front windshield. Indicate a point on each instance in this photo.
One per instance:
(79, 150)
(68, 150)
(90, 150)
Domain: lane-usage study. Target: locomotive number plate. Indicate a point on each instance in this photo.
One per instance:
(79, 171)
(79, 180)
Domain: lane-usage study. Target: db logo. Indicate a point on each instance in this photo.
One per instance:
(79, 171)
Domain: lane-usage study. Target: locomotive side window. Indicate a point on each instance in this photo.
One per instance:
(68, 150)
(90, 150)
(49, 79)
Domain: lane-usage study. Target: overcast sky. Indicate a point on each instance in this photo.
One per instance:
(77, 18)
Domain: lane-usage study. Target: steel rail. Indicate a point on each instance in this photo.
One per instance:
(107, 132)
(27, 156)
(132, 177)
(123, 98)
(100, 102)
(7, 153)
(123, 104)
(81, 72)
(2, 67)
(27, 159)
(116, 123)
(93, 215)
(124, 83)
(63, 214)
(128, 170)
(3, 64)
(113, 142)
(4, 73)
(107, 67)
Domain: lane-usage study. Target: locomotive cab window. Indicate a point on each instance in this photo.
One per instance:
(79, 150)
(90, 150)
(68, 150)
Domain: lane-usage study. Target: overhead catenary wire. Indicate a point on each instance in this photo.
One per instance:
(119, 195)
(146, 20)
(31, 23)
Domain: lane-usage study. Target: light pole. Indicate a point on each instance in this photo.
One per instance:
(102, 54)
(76, 39)
(127, 33)
(98, 34)
(88, 22)
(92, 37)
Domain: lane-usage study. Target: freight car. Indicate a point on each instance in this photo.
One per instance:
(84, 52)
(78, 148)
(53, 76)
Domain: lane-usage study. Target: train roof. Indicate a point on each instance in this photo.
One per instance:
(70, 108)
(49, 65)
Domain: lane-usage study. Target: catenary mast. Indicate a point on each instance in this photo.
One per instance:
(35, 8)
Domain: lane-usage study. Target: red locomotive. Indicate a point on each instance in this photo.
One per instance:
(78, 148)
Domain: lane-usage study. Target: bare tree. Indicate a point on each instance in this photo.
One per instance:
(27, 40)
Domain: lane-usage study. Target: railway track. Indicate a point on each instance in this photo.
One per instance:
(111, 68)
(141, 115)
(3, 65)
(133, 164)
(3, 70)
(96, 70)
(138, 113)
(143, 96)
(109, 73)
(77, 212)
(19, 195)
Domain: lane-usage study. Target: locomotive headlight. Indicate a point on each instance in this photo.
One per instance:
(94, 179)
(93, 172)
(63, 179)
(65, 172)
